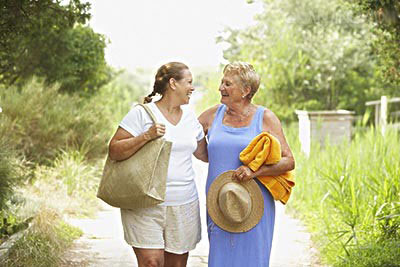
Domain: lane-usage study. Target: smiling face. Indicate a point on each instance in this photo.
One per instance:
(184, 87)
(231, 89)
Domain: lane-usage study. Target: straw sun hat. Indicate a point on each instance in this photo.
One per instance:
(234, 206)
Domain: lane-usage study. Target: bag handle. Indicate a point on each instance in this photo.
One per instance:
(147, 109)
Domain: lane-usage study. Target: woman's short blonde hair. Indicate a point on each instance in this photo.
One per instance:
(246, 74)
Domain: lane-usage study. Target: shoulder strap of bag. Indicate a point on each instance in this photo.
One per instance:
(147, 109)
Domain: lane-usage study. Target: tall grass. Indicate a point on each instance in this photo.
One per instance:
(40, 121)
(12, 173)
(7, 176)
(68, 187)
(349, 195)
(44, 243)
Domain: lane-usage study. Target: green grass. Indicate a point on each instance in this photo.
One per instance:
(385, 253)
(68, 186)
(12, 173)
(44, 243)
(349, 196)
(7, 177)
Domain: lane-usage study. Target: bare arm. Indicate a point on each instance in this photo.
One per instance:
(123, 144)
(206, 118)
(272, 125)
(201, 152)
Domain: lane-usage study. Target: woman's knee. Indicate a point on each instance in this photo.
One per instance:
(149, 257)
(152, 262)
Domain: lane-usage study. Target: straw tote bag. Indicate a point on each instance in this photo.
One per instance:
(139, 181)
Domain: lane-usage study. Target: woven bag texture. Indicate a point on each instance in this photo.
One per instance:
(139, 181)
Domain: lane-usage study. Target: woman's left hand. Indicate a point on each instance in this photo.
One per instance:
(243, 173)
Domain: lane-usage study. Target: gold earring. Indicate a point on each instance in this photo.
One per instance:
(243, 96)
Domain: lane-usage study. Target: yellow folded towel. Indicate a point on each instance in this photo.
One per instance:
(266, 149)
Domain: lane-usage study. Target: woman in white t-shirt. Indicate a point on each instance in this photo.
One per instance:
(164, 234)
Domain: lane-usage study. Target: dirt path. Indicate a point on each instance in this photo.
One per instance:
(102, 243)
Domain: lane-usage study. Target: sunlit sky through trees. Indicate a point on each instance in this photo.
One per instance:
(149, 33)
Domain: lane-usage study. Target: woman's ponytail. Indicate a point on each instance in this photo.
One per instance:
(164, 74)
(149, 98)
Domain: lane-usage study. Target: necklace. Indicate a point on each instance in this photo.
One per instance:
(239, 116)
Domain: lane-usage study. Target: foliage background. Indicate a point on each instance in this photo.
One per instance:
(49, 39)
(310, 57)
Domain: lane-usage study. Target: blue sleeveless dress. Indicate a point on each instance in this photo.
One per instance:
(250, 248)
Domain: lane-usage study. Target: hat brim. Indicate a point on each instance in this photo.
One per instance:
(257, 207)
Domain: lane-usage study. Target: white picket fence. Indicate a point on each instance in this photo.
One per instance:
(381, 111)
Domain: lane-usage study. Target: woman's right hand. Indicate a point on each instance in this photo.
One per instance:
(124, 144)
(155, 131)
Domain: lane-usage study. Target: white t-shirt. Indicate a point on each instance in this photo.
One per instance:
(181, 187)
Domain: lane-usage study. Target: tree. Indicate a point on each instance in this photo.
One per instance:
(46, 39)
(386, 16)
(83, 65)
(309, 57)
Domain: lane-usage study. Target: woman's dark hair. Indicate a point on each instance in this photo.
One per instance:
(164, 74)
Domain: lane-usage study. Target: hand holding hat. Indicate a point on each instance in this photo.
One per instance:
(266, 149)
(243, 173)
(234, 206)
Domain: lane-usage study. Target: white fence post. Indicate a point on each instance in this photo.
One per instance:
(383, 114)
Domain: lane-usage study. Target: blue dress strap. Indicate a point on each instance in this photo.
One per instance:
(219, 114)
(259, 119)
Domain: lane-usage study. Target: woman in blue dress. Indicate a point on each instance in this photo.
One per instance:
(230, 126)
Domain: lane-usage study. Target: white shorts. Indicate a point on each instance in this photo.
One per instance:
(176, 229)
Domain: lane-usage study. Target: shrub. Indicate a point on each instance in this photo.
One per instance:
(7, 177)
(42, 121)
(44, 243)
(12, 173)
(69, 186)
